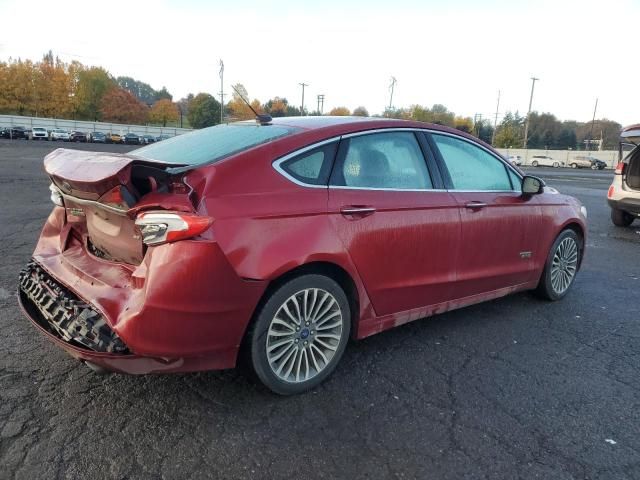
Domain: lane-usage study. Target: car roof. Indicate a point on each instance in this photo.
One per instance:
(339, 125)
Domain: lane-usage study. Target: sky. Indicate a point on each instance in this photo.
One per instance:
(456, 53)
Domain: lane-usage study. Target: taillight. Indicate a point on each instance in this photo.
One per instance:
(610, 192)
(118, 197)
(620, 167)
(162, 227)
(56, 196)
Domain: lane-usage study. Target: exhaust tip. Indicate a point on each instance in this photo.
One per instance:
(97, 368)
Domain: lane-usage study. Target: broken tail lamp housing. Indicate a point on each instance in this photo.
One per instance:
(56, 196)
(164, 227)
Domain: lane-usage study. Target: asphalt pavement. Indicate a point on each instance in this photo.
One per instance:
(512, 388)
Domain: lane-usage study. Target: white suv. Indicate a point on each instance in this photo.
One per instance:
(624, 193)
(39, 133)
(545, 160)
(59, 134)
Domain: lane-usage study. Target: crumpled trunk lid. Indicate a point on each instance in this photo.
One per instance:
(102, 192)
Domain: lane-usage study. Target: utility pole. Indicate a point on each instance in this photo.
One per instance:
(495, 121)
(302, 106)
(392, 87)
(592, 122)
(221, 91)
(526, 124)
(321, 103)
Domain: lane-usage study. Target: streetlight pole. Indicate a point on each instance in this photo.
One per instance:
(302, 106)
(526, 124)
(592, 122)
(221, 91)
(495, 121)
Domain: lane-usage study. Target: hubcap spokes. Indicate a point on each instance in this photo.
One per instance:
(304, 335)
(564, 265)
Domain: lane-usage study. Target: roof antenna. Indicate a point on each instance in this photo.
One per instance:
(262, 119)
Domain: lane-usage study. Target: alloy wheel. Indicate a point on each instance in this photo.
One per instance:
(304, 335)
(564, 265)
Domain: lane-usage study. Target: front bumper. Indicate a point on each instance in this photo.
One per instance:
(182, 309)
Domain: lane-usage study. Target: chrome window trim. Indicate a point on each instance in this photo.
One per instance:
(277, 163)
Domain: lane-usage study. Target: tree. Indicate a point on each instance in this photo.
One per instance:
(510, 131)
(237, 107)
(204, 111)
(360, 112)
(464, 124)
(279, 107)
(340, 111)
(93, 84)
(164, 111)
(163, 94)
(119, 105)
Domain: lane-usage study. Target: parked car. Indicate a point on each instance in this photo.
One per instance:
(515, 160)
(159, 138)
(14, 133)
(39, 133)
(59, 134)
(77, 136)
(586, 161)
(114, 138)
(147, 139)
(131, 139)
(287, 237)
(97, 137)
(544, 160)
(624, 193)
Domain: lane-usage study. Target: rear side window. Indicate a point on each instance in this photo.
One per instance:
(390, 160)
(470, 167)
(311, 167)
(212, 144)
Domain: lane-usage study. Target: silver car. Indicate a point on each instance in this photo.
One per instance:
(624, 193)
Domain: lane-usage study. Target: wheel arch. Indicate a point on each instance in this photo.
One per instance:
(578, 229)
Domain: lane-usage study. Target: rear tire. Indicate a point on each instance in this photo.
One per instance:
(573, 165)
(556, 164)
(561, 266)
(299, 334)
(534, 163)
(620, 218)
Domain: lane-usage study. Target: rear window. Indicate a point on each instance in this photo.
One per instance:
(212, 144)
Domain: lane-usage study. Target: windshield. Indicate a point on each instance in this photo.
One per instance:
(213, 143)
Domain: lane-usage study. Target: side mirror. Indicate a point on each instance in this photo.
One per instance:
(532, 185)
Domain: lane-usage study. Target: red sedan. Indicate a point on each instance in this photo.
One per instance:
(279, 240)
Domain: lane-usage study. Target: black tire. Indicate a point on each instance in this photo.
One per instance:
(620, 218)
(534, 163)
(573, 165)
(545, 288)
(256, 341)
(556, 164)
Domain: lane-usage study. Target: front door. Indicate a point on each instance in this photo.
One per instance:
(499, 226)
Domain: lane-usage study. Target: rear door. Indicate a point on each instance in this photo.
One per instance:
(399, 225)
(499, 226)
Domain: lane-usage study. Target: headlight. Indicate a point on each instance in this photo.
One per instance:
(583, 210)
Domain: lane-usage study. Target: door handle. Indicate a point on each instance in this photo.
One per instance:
(475, 205)
(357, 211)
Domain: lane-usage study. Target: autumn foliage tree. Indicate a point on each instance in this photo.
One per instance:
(119, 105)
(237, 107)
(360, 112)
(164, 111)
(340, 111)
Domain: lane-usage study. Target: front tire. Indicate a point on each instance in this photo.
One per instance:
(573, 165)
(556, 164)
(620, 218)
(300, 334)
(534, 163)
(561, 266)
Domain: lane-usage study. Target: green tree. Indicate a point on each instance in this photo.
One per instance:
(509, 132)
(360, 112)
(204, 111)
(93, 84)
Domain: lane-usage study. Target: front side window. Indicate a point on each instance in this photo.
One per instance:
(391, 160)
(470, 167)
